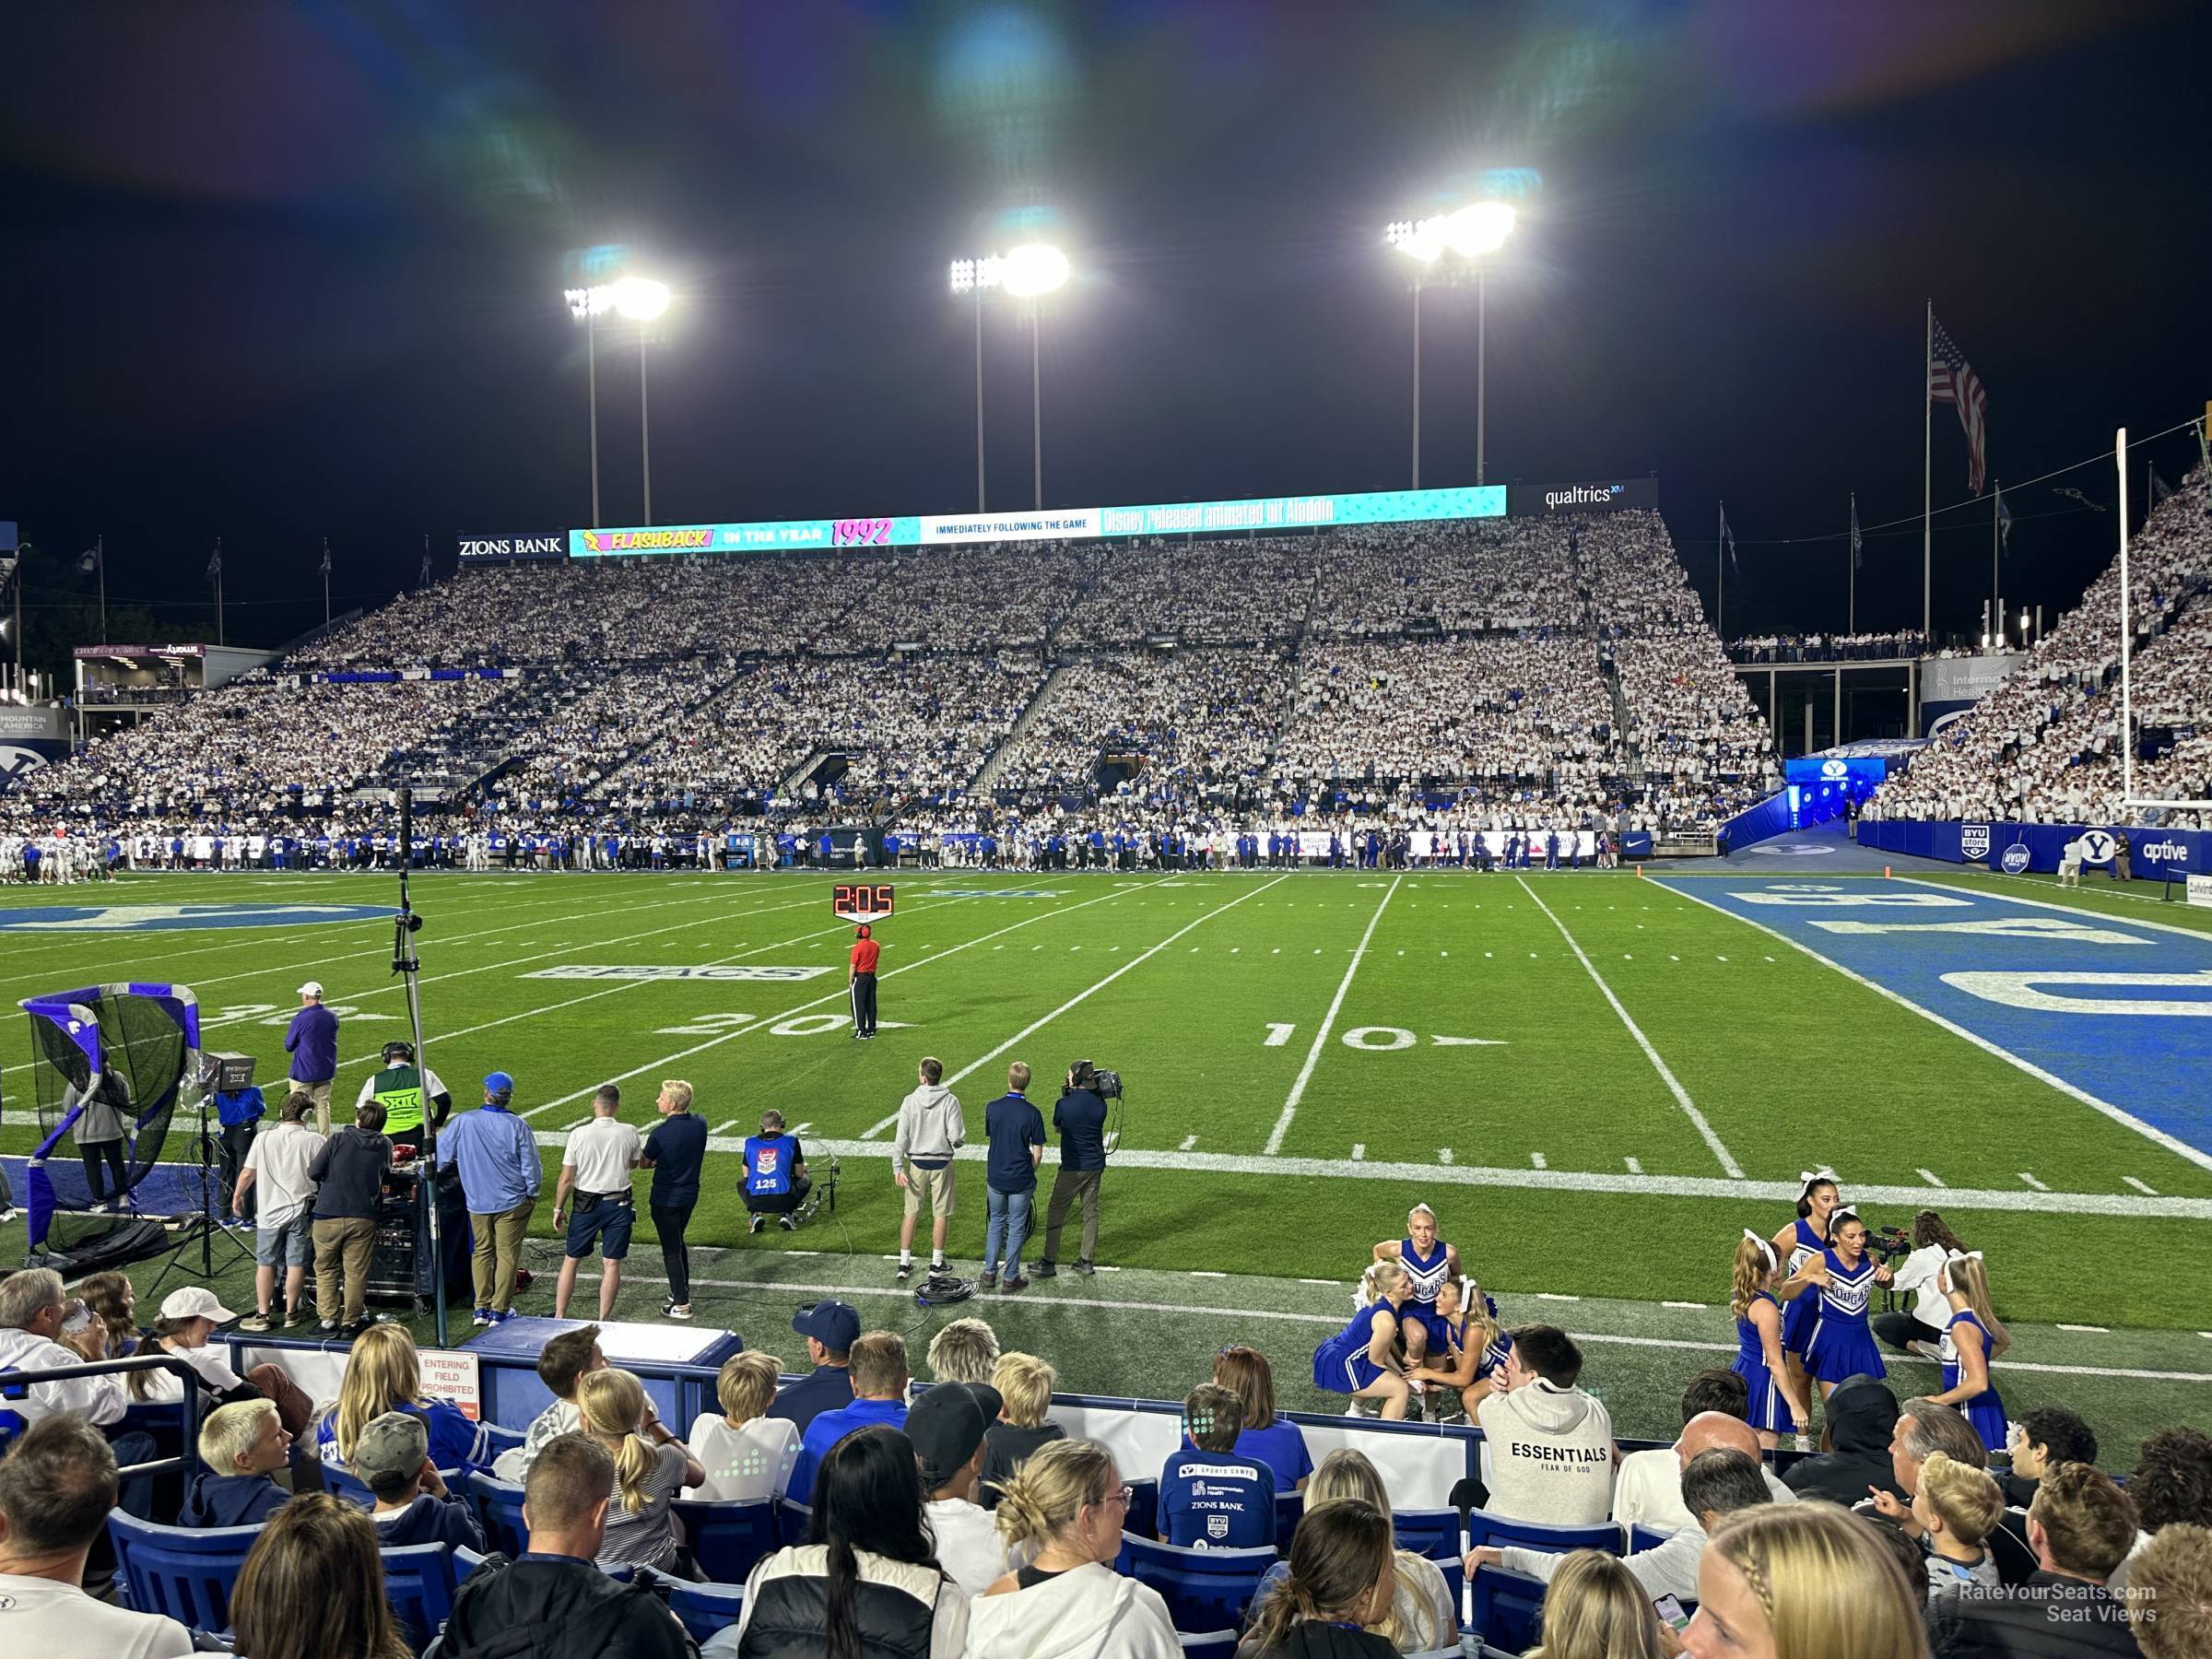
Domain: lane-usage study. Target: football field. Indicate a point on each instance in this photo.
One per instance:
(1596, 1079)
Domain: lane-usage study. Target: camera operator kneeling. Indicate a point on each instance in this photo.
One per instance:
(776, 1182)
(1080, 1116)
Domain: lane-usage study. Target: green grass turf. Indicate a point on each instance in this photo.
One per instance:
(1182, 984)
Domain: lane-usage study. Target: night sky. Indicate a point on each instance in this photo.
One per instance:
(283, 272)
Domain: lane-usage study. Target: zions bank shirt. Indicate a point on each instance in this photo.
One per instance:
(1217, 1500)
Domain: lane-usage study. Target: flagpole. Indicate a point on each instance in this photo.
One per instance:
(1851, 556)
(2128, 691)
(1720, 576)
(220, 637)
(1927, 485)
(1996, 510)
(99, 555)
(327, 581)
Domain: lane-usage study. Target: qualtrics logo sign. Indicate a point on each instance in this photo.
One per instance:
(553, 544)
(1541, 500)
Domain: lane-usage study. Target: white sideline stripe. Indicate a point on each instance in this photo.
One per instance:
(1328, 1022)
(1114, 1304)
(1565, 1181)
(1699, 1306)
(2197, 934)
(766, 1020)
(1690, 1107)
(1038, 1025)
(2127, 1119)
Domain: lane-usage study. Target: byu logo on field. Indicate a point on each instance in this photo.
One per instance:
(2096, 847)
(2016, 859)
(1834, 768)
(1973, 842)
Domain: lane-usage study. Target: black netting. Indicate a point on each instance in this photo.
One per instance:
(143, 1061)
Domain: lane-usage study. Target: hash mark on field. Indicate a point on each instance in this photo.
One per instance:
(1555, 1296)
(1634, 1168)
(1930, 1177)
(1207, 1273)
(1333, 1284)
(1536, 1158)
(1697, 1305)
(2095, 1330)
(1443, 1155)
(725, 1128)
(1673, 958)
(2148, 1192)
(1189, 1141)
(1359, 1152)
(2032, 1182)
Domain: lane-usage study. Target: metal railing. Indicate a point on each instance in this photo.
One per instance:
(16, 1385)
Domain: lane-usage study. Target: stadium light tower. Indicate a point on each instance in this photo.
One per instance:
(641, 299)
(1448, 247)
(1026, 273)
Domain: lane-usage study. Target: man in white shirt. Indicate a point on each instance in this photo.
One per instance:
(1547, 1447)
(948, 1426)
(595, 1169)
(1647, 1491)
(31, 1310)
(283, 1216)
(57, 1486)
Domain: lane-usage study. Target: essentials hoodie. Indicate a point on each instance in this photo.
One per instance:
(930, 1127)
(230, 1500)
(1085, 1613)
(1862, 1415)
(1548, 1453)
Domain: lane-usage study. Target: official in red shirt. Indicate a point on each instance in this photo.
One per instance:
(861, 982)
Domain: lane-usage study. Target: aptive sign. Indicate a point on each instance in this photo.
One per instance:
(544, 544)
(1259, 516)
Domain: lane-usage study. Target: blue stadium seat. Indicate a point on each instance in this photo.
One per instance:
(418, 1583)
(498, 1506)
(182, 1572)
(793, 1519)
(498, 1440)
(164, 1419)
(727, 1538)
(1431, 1533)
(1143, 1518)
(1642, 1538)
(1289, 1509)
(1207, 1644)
(705, 1609)
(1204, 1589)
(1482, 1527)
(1509, 1608)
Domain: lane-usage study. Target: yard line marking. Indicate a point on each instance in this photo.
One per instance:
(2149, 1191)
(1136, 962)
(2032, 1182)
(1328, 1022)
(839, 995)
(725, 1128)
(1332, 1284)
(872, 1130)
(1930, 1177)
(1689, 1106)
(1555, 1296)
(1634, 1168)
(2168, 1208)
(1090, 1305)
(2171, 1143)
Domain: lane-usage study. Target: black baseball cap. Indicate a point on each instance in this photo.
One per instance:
(948, 1424)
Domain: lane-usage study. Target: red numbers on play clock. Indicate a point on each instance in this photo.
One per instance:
(863, 901)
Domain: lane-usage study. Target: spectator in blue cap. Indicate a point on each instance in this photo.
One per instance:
(830, 1329)
(500, 1175)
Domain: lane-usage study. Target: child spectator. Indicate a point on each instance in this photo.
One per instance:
(1958, 1507)
(243, 1444)
(560, 1364)
(747, 1454)
(1024, 1383)
(413, 1506)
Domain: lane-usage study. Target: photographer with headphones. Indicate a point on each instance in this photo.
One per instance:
(776, 1182)
(403, 1089)
(1080, 1116)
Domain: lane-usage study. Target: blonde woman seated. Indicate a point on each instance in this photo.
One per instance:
(1595, 1609)
(1342, 1579)
(747, 1454)
(1420, 1616)
(382, 1374)
(1068, 1504)
(651, 1467)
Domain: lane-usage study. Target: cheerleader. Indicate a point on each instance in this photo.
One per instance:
(1840, 1344)
(1428, 1262)
(1759, 1354)
(1475, 1341)
(1971, 1338)
(1801, 1241)
(1358, 1359)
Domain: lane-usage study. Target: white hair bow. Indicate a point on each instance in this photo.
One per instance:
(1962, 1255)
(1765, 1249)
(1808, 1179)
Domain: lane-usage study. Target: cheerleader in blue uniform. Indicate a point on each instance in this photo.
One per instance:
(1840, 1344)
(1971, 1338)
(1428, 1262)
(1358, 1359)
(1473, 1341)
(1778, 1403)
(1803, 1240)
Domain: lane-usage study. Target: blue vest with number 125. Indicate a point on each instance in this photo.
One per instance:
(768, 1160)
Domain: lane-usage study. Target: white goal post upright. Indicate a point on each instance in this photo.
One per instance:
(2129, 800)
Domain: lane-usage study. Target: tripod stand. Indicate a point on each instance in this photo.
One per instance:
(204, 1226)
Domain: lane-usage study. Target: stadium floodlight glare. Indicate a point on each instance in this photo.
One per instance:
(641, 299)
(1471, 234)
(1028, 272)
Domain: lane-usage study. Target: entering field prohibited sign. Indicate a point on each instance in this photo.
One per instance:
(451, 1373)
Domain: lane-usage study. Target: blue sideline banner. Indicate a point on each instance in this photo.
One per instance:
(2022, 849)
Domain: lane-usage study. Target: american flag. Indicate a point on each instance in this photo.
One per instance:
(1951, 379)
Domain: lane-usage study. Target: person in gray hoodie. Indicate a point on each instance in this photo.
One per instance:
(1548, 1453)
(930, 1131)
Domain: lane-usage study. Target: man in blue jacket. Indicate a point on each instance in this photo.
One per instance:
(1081, 1117)
(500, 1177)
(313, 1042)
(1016, 1131)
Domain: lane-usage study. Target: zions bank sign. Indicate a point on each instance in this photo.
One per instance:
(548, 544)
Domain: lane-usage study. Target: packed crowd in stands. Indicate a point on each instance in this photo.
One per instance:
(2045, 746)
(1532, 670)
(959, 1517)
(1882, 645)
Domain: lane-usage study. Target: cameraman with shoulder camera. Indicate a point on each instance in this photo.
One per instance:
(1081, 1117)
